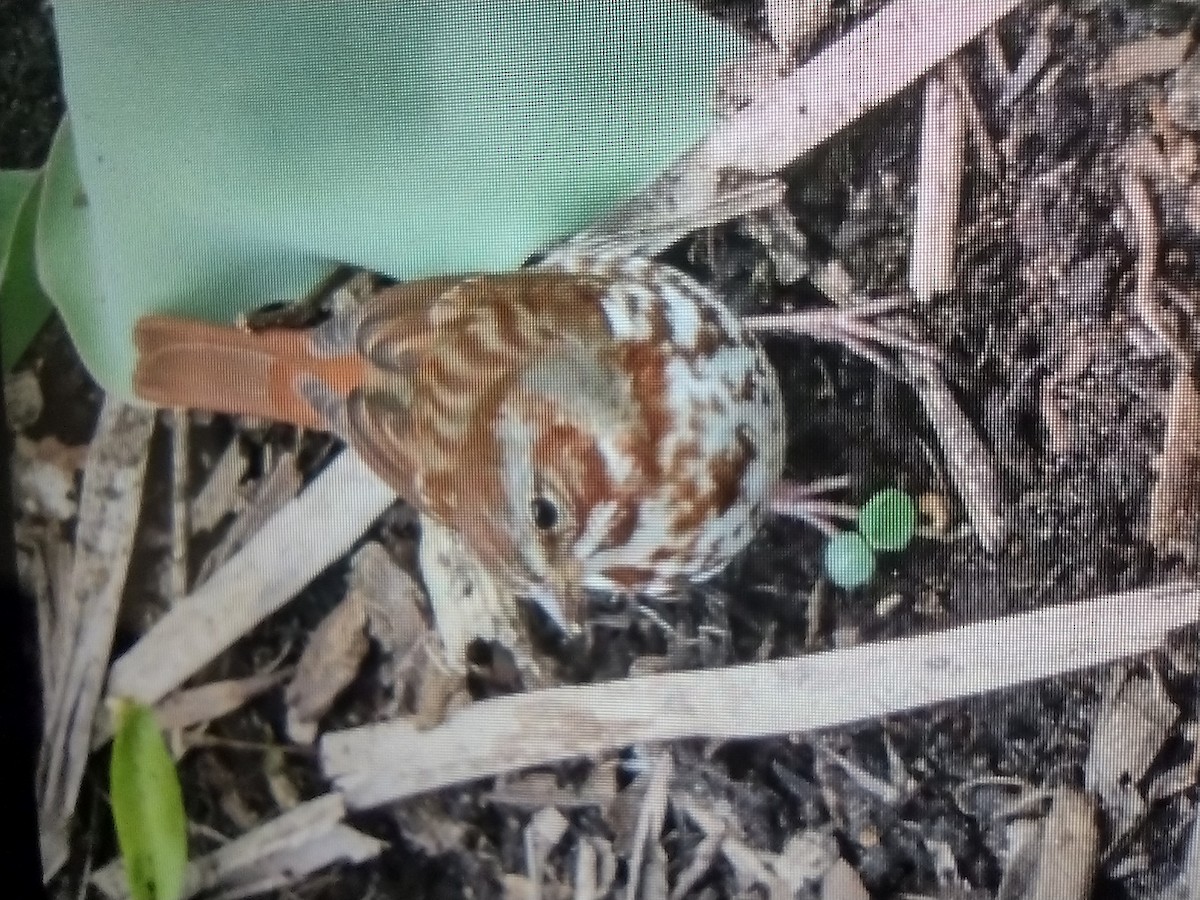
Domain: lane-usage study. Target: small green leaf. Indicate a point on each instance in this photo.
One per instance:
(147, 806)
(23, 305)
(887, 521)
(849, 560)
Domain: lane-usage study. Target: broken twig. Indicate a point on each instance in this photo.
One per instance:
(380, 763)
(108, 514)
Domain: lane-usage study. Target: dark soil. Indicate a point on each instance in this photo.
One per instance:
(1041, 345)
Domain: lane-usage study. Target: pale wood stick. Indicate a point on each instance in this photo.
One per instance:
(377, 764)
(109, 504)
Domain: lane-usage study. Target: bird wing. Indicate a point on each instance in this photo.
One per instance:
(443, 359)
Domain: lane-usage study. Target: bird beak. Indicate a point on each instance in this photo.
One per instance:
(562, 599)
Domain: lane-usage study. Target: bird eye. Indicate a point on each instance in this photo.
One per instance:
(545, 513)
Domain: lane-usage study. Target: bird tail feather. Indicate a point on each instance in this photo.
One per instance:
(202, 365)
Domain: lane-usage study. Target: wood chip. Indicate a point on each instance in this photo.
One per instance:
(181, 527)
(1033, 60)
(1135, 721)
(940, 174)
(213, 700)
(1144, 221)
(219, 496)
(795, 23)
(1144, 57)
(392, 600)
(841, 882)
(1174, 518)
(279, 777)
(109, 505)
(469, 602)
(537, 789)
(430, 827)
(809, 857)
(517, 887)
(586, 866)
(650, 820)
(332, 657)
(44, 478)
(50, 560)
(702, 860)
(1168, 782)
(1057, 856)
(412, 660)
(541, 835)
(22, 399)
(1183, 105)
(1187, 885)
(775, 228)
(970, 462)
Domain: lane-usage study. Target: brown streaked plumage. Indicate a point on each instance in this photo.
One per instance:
(605, 423)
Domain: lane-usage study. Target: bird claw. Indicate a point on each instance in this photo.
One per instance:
(874, 330)
(808, 501)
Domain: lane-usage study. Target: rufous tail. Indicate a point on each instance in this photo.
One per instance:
(201, 365)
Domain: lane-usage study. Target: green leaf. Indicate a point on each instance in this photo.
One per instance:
(233, 152)
(15, 185)
(147, 806)
(888, 520)
(849, 561)
(23, 305)
(65, 250)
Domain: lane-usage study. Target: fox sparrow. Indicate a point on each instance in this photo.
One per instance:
(603, 422)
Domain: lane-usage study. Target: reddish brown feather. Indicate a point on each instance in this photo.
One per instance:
(201, 365)
(466, 393)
